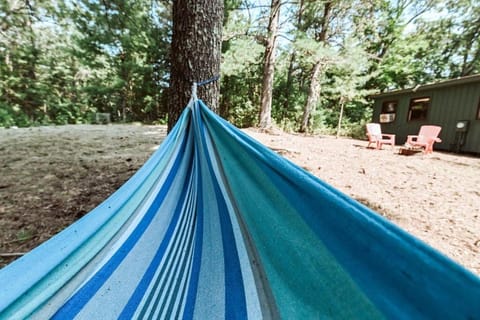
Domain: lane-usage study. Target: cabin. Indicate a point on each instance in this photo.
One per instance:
(452, 104)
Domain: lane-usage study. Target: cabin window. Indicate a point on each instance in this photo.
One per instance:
(418, 109)
(389, 110)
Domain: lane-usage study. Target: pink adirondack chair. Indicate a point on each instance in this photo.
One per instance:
(427, 136)
(375, 135)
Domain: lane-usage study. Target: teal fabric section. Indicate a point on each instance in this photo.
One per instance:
(403, 277)
(306, 280)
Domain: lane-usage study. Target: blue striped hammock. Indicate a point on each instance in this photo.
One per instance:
(217, 226)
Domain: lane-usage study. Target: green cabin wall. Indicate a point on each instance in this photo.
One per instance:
(447, 106)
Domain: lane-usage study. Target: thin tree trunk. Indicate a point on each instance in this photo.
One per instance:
(124, 92)
(312, 98)
(286, 104)
(195, 53)
(8, 61)
(314, 90)
(339, 127)
(31, 101)
(265, 121)
(288, 88)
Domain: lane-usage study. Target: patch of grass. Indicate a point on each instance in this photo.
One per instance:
(24, 235)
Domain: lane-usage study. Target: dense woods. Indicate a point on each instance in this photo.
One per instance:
(301, 65)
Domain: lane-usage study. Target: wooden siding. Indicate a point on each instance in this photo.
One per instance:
(447, 106)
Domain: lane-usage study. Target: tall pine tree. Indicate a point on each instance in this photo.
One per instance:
(195, 53)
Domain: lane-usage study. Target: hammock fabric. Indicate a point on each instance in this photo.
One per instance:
(217, 226)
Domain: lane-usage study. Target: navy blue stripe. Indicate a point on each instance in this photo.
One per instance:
(174, 286)
(196, 261)
(188, 265)
(141, 288)
(75, 304)
(235, 301)
(202, 83)
(174, 254)
(197, 256)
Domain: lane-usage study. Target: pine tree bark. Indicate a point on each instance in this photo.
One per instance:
(314, 89)
(31, 101)
(265, 120)
(312, 98)
(195, 53)
(339, 126)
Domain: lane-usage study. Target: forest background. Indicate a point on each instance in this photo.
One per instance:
(61, 62)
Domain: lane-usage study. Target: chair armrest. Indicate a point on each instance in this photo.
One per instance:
(433, 140)
(411, 138)
(388, 135)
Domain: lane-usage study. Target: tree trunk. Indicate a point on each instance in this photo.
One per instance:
(312, 98)
(314, 90)
(339, 127)
(195, 53)
(265, 120)
(31, 101)
(286, 104)
(124, 92)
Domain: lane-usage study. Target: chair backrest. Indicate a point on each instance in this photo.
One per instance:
(429, 133)
(374, 129)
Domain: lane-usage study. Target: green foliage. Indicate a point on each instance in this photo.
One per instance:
(240, 99)
(66, 61)
(241, 70)
(454, 36)
(242, 53)
(61, 62)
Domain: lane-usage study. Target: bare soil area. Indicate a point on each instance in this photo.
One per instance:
(51, 176)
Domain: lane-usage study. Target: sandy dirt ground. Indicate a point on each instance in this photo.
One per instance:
(51, 176)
